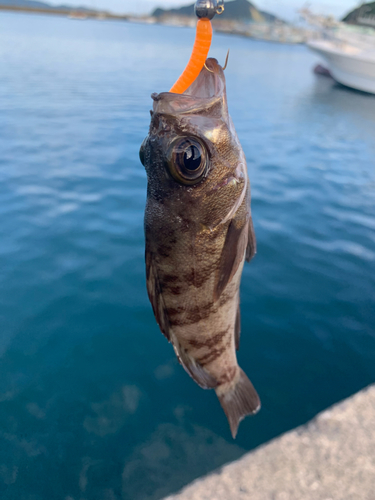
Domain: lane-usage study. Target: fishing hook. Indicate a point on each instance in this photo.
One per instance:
(225, 64)
(208, 69)
(226, 61)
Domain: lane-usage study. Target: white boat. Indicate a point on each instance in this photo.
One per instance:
(349, 51)
(350, 65)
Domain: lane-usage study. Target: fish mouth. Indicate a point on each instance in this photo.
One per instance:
(207, 90)
(210, 82)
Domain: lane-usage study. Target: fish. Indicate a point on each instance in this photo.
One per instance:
(198, 234)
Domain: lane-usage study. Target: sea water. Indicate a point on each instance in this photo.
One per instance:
(93, 404)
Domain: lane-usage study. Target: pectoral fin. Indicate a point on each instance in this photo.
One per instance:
(232, 254)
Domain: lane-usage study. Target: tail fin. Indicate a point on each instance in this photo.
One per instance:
(238, 400)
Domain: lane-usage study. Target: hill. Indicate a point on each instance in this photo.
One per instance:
(236, 10)
(362, 16)
(34, 4)
(25, 3)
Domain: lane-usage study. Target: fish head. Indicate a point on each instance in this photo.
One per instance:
(192, 154)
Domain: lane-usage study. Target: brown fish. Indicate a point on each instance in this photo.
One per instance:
(198, 233)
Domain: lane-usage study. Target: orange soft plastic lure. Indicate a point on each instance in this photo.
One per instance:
(198, 56)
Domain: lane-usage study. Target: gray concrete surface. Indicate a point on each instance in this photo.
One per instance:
(330, 458)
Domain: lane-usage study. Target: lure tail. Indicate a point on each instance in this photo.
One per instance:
(238, 399)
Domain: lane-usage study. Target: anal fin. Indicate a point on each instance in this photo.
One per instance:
(193, 368)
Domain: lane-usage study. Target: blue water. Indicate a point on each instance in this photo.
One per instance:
(93, 404)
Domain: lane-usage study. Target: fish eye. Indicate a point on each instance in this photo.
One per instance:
(187, 160)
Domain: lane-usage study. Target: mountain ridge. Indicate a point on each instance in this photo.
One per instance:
(36, 4)
(235, 10)
(362, 16)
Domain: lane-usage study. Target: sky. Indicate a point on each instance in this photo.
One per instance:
(283, 8)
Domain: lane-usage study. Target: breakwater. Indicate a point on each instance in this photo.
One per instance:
(331, 458)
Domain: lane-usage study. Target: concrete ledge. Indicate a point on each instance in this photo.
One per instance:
(330, 458)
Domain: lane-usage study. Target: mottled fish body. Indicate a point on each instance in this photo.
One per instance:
(199, 232)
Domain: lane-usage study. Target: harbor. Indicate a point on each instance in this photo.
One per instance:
(93, 401)
(247, 21)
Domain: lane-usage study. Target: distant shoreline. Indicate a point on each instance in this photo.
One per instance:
(277, 32)
(74, 13)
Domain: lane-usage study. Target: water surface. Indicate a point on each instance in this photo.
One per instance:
(93, 404)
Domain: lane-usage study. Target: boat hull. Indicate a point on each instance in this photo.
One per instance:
(348, 66)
